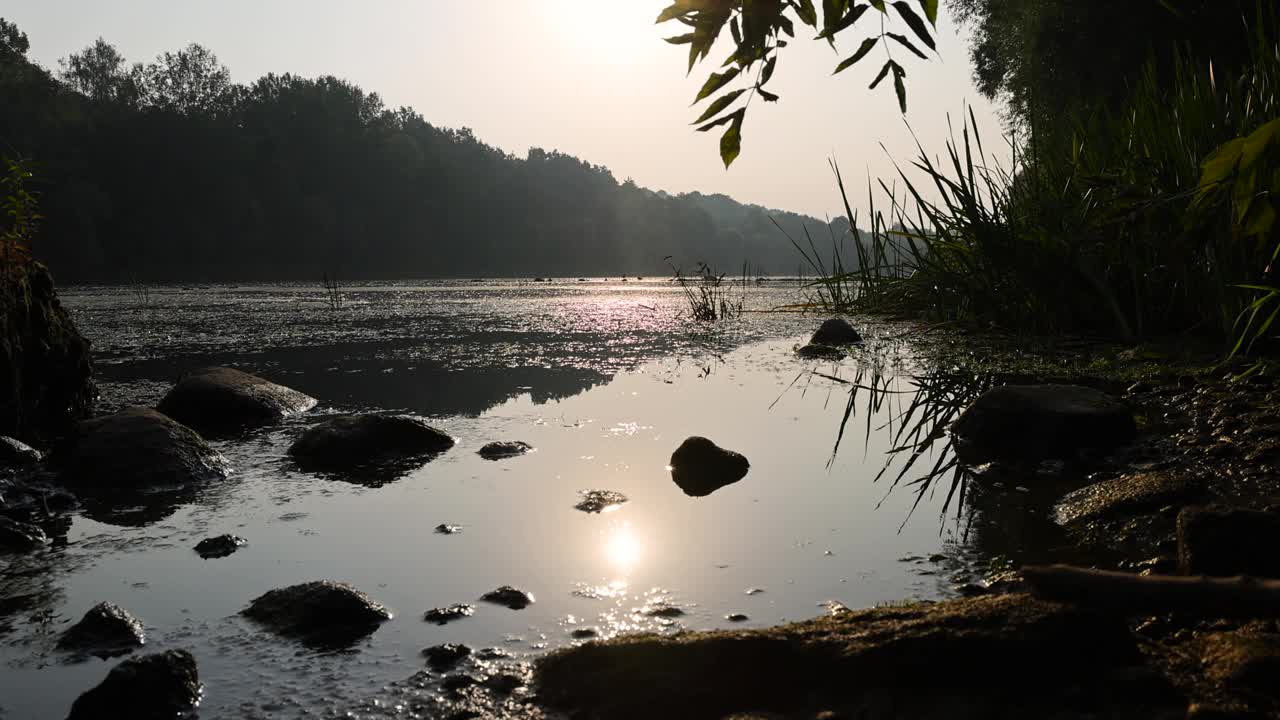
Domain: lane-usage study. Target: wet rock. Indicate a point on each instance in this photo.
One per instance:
(814, 351)
(1243, 661)
(351, 441)
(445, 529)
(322, 612)
(454, 683)
(152, 687)
(503, 683)
(736, 617)
(220, 546)
(595, 501)
(509, 597)
(20, 537)
(664, 611)
(1228, 541)
(504, 449)
(220, 399)
(1047, 657)
(583, 633)
(835, 331)
(444, 615)
(15, 453)
(1132, 494)
(1035, 422)
(700, 467)
(106, 630)
(447, 655)
(137, 448)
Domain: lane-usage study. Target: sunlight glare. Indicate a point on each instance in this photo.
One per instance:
(623, 548)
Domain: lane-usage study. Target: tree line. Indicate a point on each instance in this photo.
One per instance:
(168, 170)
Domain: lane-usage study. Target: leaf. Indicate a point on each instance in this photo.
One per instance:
(1218, 167)
(673, 10)
(768, 69)
(849, 19)
(768, 96)
(883, 72)
(719, 105)
(735, 31)
(680, 39)
(902, 40)
(915, 23)
(930, 8)
(731, 141)
(879, 5)
(720, 121)
(715, 82)
(900, 87)
(806, 12)
(861, 53)
(784, 22)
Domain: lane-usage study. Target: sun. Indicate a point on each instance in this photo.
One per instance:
(623, 548)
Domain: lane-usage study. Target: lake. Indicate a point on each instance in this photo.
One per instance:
(603, 378)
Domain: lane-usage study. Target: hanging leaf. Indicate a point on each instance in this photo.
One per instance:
(806, 12)
(768, 96)
(715, 82)
(674, 10)
(930, 8)
(861, 53)
(680, 39)
(731, 141)
(883, 72)
(849, 19)
(902, 40)
(915, 23)
(768, 69)
(899, 87)
(721, 121)
(719, 105)
(879, 5)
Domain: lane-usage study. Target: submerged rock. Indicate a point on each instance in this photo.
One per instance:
(218, 399)
(1132, 494)
(510, 597)
(322, 612)
(220, 546)
(152, 687)
(106, 630)
(595, 501)
(1228, 541)
(15, 453)
(1035, 422)
(924, 660)
(135, 448)
(444, 615)
(700, 467)
(351, 441)
(446, 655)
(504, 449)
(20, 537)
(814, 351)
(835, 331)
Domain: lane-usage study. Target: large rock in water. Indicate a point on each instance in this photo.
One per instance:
(322, 612)
(835, 331)
(135, 448)
(700, 467)
(1035, 422)
(1007, 656)
(46, 380)
(162, 686)
(351, 441)
(106, 630)
(1228, 541)
(220, 399)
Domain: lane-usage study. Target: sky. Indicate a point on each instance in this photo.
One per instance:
(590, 78)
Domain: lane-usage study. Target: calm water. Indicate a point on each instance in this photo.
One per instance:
(604, 378)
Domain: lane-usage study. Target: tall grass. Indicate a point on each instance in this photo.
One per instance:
(708, 294)
(1090, 228)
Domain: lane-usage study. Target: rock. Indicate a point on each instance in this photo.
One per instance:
(350, 441)
(820, 352)
(835, 331)
(447, 655)
(161, 686)
(14, 453)
(700, 467)
(504, 683)
(220, 546)
(20, 537)
(736, 617)
(595, 501)
(1244, 661)
(664, 611)
(583, 633)
(446, 529)
(1228, 541)
(106, 630)
(454, 683)
(1047, 657)
(136, 448)
(509, 597)
(220, 399)
(505, 449)
(1035, 422)
(322, 612)
(1132, 494)
(444, 615)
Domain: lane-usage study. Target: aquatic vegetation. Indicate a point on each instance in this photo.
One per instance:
(707, 294)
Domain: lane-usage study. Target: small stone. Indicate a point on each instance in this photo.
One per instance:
(595, 501)
(446, 655)
(220, 546)
(15, 453)
(736, 617)
(106, 630)
(509, 597)
(699, 467)
(664, 611)
(753, 591)
(504, 449)
(504, 683)
(583, 633)
(454, 683)
(443, 529)
(444, 615)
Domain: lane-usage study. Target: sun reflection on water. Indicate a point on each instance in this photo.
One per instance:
(623, 548)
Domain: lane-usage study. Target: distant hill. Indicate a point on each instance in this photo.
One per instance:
(168, 171)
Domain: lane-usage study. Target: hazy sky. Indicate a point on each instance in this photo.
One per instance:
(591, 78)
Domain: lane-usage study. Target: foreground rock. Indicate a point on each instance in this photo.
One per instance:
(1008, 656)
(322, 612)
(136, 448)
(220, 399)
(1034, 422)
(352, 441)
(1228, 541)
(220, 546)
(509, 597)
(700, 467)
(504, 449)
(14, 453)
(152, 687)
(445, 615)
(447, 655)
(1131, 494)
(835, 331)
(20, 537)
(106, 630)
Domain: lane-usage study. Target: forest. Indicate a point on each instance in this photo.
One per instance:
(169, 171)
